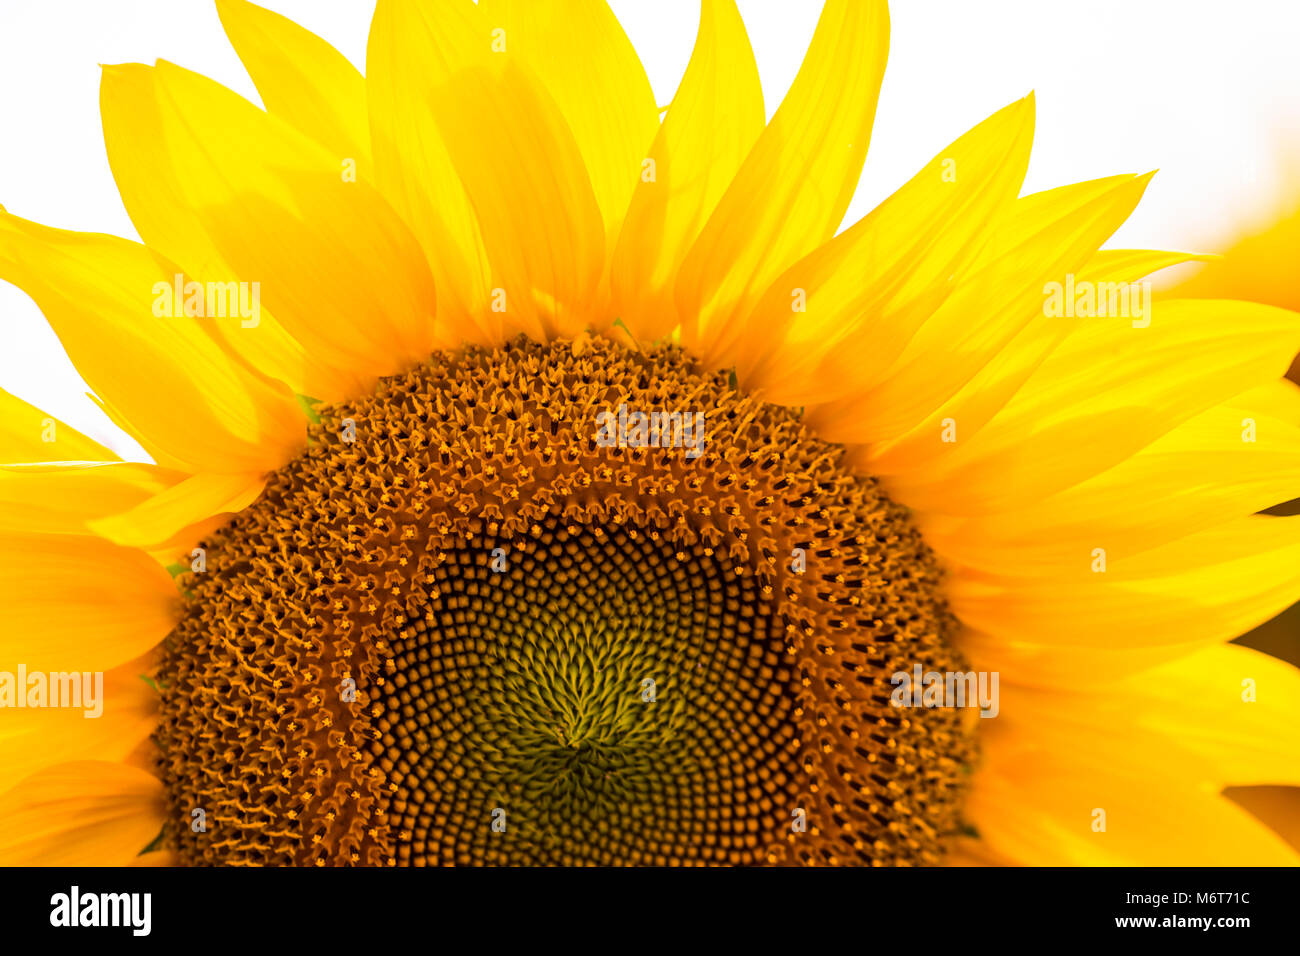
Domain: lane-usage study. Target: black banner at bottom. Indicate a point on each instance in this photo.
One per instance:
(350, 908)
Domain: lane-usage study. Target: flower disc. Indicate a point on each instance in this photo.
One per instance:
(487, 617)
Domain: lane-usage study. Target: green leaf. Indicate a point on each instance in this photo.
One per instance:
(308, 406)
(155, 843)
(620, 324)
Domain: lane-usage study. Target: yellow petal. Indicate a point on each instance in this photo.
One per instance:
(913, 454)
(334, 263)
(1231, 461)
(578, 51)
(62, 498)
(1208, 586)
(841, 315)
(147, 181)
(113, 718)
(993, 317)
(1231, 713)
(711, 125)
(1219, 716)
(1163, 741)
(180, 547)
(301, 78)
(1044, 662)
(1106, 392)
(161, 517)
(413, 50)
(161, 376)
(28, 434)
(793, 189)
(69, 602)
(1129, 265)
(85, 813)
(535, 206)
(1041, 814)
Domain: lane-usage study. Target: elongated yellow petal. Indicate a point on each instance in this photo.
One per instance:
(578, 51)
(1208, 586)
(1039, 661)
(113, 307)
(535, 206)
(1230, 712)
(1215, 717)
(161, 517)
(69, 602)
(711, 125)
(83, 813)
(1040, 811)
(791, 193)
(179, 549)
(1218, 716)
(414, 49)
(301, 79)
(1229, 462)
(62, 498)
(147, 181)
(1129, 265)
(113, 714)
(28, 434)
(333, 262)
(1000, 303)
(913, 454)
(841, 315)
(1107, 391)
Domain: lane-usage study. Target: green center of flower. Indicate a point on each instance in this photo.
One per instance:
(578, 698)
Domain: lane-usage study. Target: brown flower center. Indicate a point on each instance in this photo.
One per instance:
(559, 604)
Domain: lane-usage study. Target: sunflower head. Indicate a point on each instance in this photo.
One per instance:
(543, 481)
(462, 628)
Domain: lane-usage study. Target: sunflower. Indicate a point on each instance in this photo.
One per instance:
(538, 480)
(1260, 264)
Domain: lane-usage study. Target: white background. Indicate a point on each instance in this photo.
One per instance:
(1208, 92)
